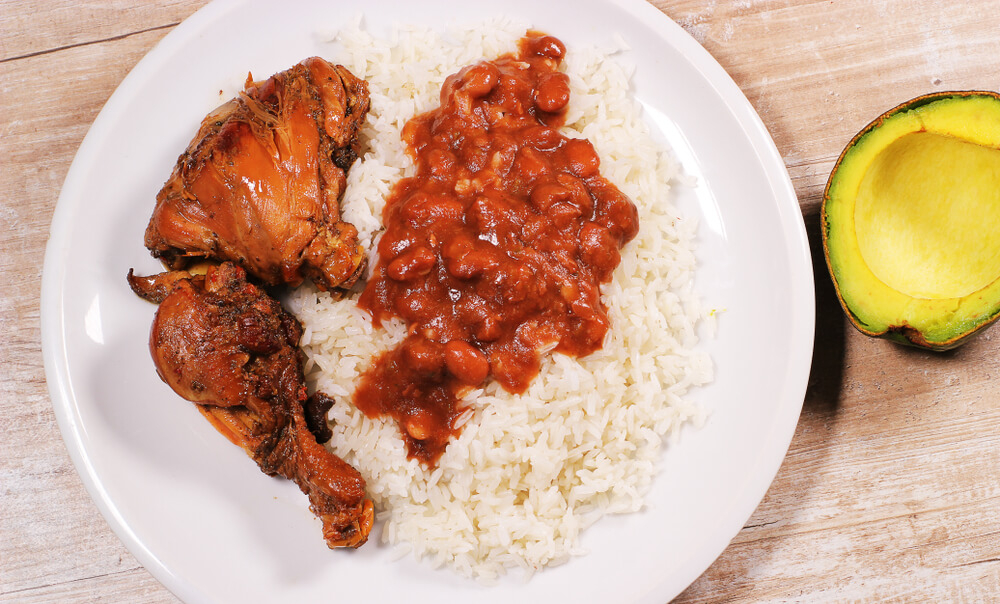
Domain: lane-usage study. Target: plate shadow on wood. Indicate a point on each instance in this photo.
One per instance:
(827, 372)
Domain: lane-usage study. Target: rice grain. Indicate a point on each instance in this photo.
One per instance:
(528, 473)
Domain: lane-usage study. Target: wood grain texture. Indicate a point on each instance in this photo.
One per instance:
(59, 63)
(891, 486)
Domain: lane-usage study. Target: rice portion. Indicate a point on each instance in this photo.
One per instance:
(530, 472)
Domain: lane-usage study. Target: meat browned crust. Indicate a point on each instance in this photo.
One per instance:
(260, 183)
(223, 343)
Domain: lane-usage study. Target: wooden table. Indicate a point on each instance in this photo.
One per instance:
(891, 487)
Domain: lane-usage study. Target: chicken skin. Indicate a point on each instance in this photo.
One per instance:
(261, 182)
(223, 343)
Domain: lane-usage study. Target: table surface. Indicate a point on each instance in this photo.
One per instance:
(891, 486)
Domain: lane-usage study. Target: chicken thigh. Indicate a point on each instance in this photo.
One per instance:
(261, 182)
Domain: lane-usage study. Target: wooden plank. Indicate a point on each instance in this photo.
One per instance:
(941, 556)
(54, 541)
(134, 586)
(69, 23)
(891, 486)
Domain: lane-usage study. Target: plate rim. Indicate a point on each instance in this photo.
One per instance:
(56, 363)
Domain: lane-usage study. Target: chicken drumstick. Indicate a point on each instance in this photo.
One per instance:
(226, 345)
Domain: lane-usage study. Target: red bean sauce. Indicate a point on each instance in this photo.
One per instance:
(494, 252)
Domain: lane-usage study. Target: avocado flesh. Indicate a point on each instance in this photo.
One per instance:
(910, 221)
(928, 215)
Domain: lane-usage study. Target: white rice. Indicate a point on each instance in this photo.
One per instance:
(528, 473)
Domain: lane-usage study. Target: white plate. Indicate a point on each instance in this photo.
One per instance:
(205, 521)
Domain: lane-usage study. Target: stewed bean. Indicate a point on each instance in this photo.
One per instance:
(495, 250)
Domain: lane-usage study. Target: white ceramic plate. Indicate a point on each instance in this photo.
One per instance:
(211, 527)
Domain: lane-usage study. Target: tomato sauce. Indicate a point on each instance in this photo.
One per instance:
(494, 252)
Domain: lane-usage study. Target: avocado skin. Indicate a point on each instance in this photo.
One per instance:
(940, 324)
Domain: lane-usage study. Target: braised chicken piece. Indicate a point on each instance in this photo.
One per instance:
(260, 184)
(226, 345)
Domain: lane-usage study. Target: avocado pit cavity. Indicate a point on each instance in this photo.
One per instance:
(928, 214)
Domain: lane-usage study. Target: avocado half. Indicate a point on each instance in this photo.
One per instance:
(911, 221)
